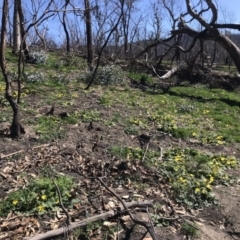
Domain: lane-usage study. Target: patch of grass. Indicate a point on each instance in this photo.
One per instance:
(50, 127)
(88, 116)
(105, 100)
(131, 130)
(39, 197)
(190, 230)
(142, 78)
(133, 153)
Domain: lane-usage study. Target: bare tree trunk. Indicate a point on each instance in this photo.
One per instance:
(42, 37)
(22, 30)
(231, 48)
(88, 20)
(16, 28)
(65, 27)
(16, 128)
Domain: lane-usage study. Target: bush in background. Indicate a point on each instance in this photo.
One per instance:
(37, 57)
(106, 75)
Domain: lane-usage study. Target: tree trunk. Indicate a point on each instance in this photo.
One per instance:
(22, 30)
(89, 32)
(16, 126)
(65, 27)
(231, 48)
(16, 28)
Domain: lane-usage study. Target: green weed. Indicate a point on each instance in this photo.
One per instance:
(39, 197)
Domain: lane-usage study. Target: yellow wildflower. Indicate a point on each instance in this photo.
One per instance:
(40, 208)
(197, 190)
(194, 134)
(15, 202)
(43, 197)
(181, 179)
(178, 158)
(211, 179)
(209, 187)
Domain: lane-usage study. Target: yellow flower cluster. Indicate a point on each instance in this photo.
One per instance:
(205, 111)
(60, 95)
(136, 121)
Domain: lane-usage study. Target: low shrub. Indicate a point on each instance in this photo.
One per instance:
(37, 57)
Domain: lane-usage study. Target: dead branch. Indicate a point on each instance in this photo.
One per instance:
(167, 75)
(61, 203)
(147, 225)
(103, 216)
(2, 156)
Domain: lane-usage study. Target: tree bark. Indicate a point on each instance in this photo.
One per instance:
(88, 20)
(65, 27)
(16, 126)
(214, 35)
(16, 28)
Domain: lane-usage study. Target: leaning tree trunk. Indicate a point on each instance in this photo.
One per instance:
(231, 48)
(16, 126)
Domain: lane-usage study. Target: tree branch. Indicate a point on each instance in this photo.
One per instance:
(103, 216)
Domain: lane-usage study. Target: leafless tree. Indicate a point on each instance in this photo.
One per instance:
(209, 30)
(16, 128)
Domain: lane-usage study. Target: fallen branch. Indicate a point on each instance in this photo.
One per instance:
(61, 203)
(103, 216)
(165, 76)
(168, 74)
(2, 156)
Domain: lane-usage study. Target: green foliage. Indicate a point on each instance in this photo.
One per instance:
(50, 127)
(131, 130)
(106, 75)
(105, 229)
(192, 175)
(133, 153)
(142, 78)
(71, 60)
(38, 197)
(88, 115)
(190, 230)
(158, 221)
(37, 57)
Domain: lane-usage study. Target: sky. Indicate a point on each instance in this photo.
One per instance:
(229, 11)
(232, 7)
